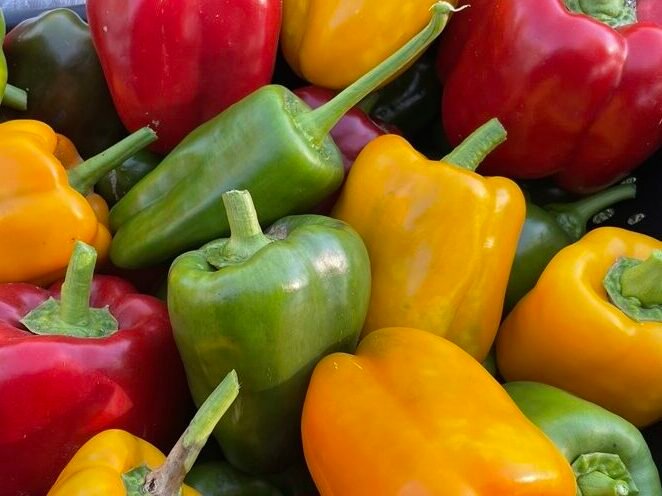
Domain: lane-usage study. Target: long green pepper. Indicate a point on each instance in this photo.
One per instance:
(270, 143)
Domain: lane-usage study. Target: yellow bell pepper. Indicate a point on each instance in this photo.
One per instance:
(116, 463)
(332, 43)
(441, 238)
(43, 210)
(412, 414)
(592, 325)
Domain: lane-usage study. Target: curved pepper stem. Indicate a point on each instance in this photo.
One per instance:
(477, 146)
(614, 13)
(603, 474)
(320, 121)
(246, 236)
(167, 480)
(72, 315)
(573, 217)
(15, 98)
(644, 281)
(84, 176)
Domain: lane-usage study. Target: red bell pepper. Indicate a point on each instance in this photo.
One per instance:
(80, 371)
(174, 65)
(352, 133)
(581, 99)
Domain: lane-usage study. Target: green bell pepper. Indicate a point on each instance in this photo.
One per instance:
(270, 143)
(10, 95)
(608, 454)
(118, 182)
(547, 230)
(270, 306)
(222, 479)
(52, 56)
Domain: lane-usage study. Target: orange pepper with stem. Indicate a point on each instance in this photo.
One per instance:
(45, 208)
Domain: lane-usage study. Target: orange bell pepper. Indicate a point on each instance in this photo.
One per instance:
(592, 325)
(332, 43)
(43, 210)
(441, 238)
(412, 414)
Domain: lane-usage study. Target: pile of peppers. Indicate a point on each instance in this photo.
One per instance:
(335, 248)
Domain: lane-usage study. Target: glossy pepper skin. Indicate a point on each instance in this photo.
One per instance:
(569, 333)
(117, 183)
(222, 479)
(178, 67)
(310, 279)
(331, 43)
(117, 463)
(467, 435)
(52, 56)
(58, 390)
(294, 166)
(441, 238)
(580, 99)
(592, 439)
(41, 213)
(11, 96)
(547, 230)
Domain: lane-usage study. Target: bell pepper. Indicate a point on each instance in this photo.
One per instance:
(291, 168)
(10, 95)
(43, 210)
(269, 306)
(52, 56)
(117, 463)
(549, 229)
(591, 325)
(222, 479)
(441, 238)
(77, 359)
(179, 66)
(331, 43)
(608, 454)
(579, 94)
(118, 182)
(411, 413)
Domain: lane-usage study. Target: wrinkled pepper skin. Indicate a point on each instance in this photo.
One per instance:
(578, 427)
(178, 67)
(311, 285)
(222, 479)
(581, 100)
(467, 435)
(58, 391)
(567, 332)
(53, 58)
(331, 43)
(441, 241)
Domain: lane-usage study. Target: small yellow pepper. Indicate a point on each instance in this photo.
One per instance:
(43, 210)
(412, 414)
(592, 325)
(441, 238)
(116, 463)
(332, 43)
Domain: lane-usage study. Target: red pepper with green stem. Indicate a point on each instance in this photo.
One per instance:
(100, 357)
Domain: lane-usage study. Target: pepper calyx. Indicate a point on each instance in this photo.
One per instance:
(603, 474)
(614, 13)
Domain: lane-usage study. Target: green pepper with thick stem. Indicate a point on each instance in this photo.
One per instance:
(549, 229)
(270, 143)
(270, 305)
(608, 454)
(52, 56)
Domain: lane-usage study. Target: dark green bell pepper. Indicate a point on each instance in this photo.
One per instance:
(547, 230)
(222, 479)
(270, 306)
(52, 57)
(118, 182)
(608, 454)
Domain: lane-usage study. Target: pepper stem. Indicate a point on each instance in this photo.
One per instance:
(477, 146)
(15, 98)
(72, 315)
(167, 480)
(644, 281)
(573, 217)
(614, 13)
(84, 176)
(599, 484)
(603, 474)
(320, 121)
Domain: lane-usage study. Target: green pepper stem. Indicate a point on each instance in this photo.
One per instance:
(478, 145)
(15, 98)
(75, 293)
(320, 121)
(599, 484)
(614, 13)
(573, 217)
(167, 480)
(83, 177)
(644, 281)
